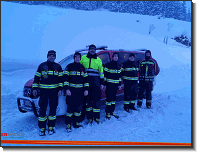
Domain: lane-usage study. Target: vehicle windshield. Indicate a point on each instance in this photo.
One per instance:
(124, 56)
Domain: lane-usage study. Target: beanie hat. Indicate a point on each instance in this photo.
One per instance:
(147, 51)
(131, 54)
(51, 52)
(92, 46)
(115, 53)
(77, 53)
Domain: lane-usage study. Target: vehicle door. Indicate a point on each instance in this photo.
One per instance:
(105, 57)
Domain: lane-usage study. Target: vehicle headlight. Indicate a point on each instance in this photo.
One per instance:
(28, 92)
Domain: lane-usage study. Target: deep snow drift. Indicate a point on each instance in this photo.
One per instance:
(28, 32)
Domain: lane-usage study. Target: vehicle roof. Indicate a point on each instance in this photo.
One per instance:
(103, 48)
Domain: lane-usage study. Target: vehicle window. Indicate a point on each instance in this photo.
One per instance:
(139, 56)
(123, 56)
(104, 57)
(69, 59)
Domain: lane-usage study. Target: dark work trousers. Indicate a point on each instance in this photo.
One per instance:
(93, 102)
(111, 90)
(74, 105)
(130, 94)
(148, 86)
(47, 96)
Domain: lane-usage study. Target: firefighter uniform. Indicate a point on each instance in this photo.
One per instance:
(94, 69)
(148, 70)
(130, 74)
(112, 77)
(49, 79)
(75, 81)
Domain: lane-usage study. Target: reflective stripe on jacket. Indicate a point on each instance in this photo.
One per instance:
(75, 76)
(148, 69)
(49, 75)
(130, 71)
(112, 73)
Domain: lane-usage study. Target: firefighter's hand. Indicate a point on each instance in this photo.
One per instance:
(119, 87)
(102, 87)
(59, 93)
(68, 92)
(85, 92)
(35, 92)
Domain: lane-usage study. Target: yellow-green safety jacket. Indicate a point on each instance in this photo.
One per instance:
(93, 66)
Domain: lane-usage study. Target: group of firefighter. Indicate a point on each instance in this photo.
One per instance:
(83, 81)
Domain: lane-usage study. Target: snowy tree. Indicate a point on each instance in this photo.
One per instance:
(189, 15)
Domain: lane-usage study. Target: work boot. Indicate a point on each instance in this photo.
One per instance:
(77, 125)
(116, 116)
(90, 121)
(51, 130)
(42, 132)
(127, 110)
(148, 107)
(97, 120)
(68, 128)
(108, 116)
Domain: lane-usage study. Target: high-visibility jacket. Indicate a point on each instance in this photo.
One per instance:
(75, 76)
(112, 73)
(130, 71)
(49, 75)
(148, 69)
(93, 66)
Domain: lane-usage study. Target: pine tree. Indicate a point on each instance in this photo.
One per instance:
(183, 14)
(189, 15)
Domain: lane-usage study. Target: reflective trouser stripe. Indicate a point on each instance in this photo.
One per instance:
(96, 110)
(113, 102)
(148, 101)
(86, 84)
(89, 109)
(42, 118)
(69, 114)
(60, 84)
(77, 114)
(126, 102)
(132, 101)
(108, 103)
(51, 117)
(139, 100)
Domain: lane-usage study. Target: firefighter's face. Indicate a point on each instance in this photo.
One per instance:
(92, 50)
(51, 58)
(115, 57)
(132, 58)
(77, 58)
(148, 54)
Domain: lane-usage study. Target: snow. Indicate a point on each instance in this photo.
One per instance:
(28, 32)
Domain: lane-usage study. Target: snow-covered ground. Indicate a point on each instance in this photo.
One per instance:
(28, 32)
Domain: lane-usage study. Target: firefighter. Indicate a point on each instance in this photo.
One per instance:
(94, 69)
(76, 87)
(130, 75)
(148, 70)
(49, 79)
(112, 77)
